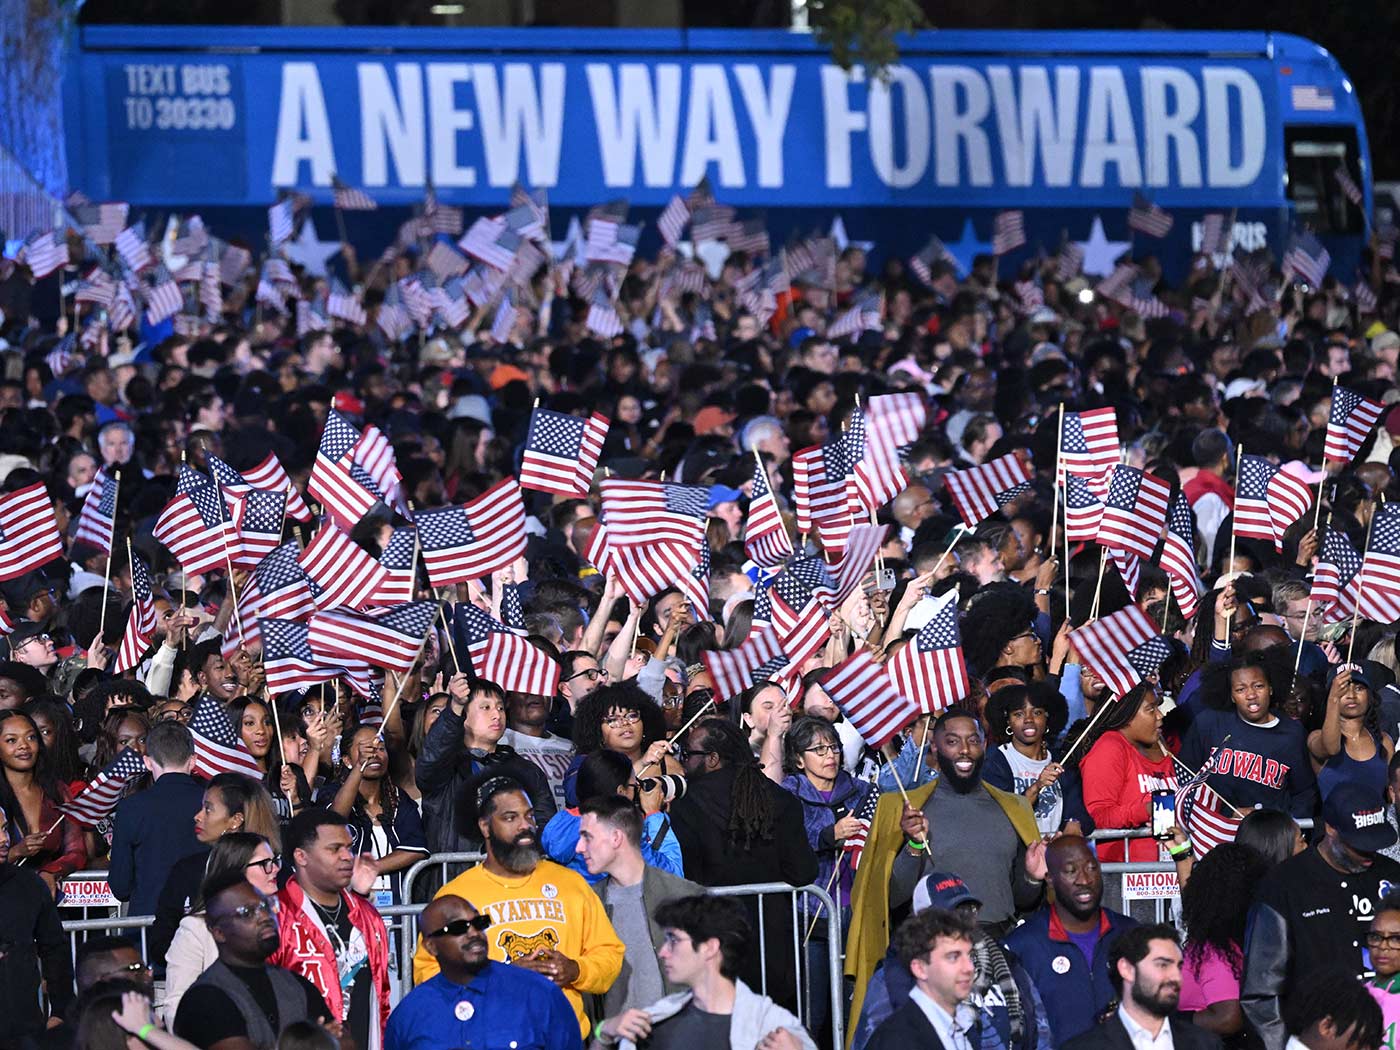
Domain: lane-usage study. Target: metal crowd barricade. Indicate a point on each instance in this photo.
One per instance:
(78, 928)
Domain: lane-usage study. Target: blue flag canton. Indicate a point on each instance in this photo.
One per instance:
(1255, 475)
(1149, 656)
(1344, 403)
(126, 765)
(398, 552)
(1338, 550)
(854, 437)
(1015, 492)
(204, 494)
(140, 580)
(760, 482)
(411, 618)
(691, 500)
(339, 437)
(440, 529)
(763, 604)
(801, 579)
(512, 608)
(1123, 488)
(555, 434)
(262, 511)
(1074, 434)
(941, 632)
(1179, 519)
(836, 460)
(1077, 492)
(280, 568)
(286, 639)
(701, 569)
(223, 473)
(765, 671)
(210, 721)
(477, 625)
(107, 500)
(1385, 530)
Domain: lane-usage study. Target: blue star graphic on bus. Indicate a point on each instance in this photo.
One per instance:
(967, 248)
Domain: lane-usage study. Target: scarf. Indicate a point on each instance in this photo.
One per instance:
(991, 968)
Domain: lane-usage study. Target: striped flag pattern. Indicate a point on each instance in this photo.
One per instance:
(390, 638)
(29, 535)
(766, 539)
(1178, 559)
(500, 655)
(140, 621)
(95, 802)
(1200, 812)
(258, 518)
(1090, 445)
(343, 570)
(270, 474)
(346, 489)
(653, 512)
(855, 844)
(1267, 500)
(735, 670)
(98, 516)
(286, 593)
(819, 486)
(1134, 511)
(399, 558)
(1123, 648)
(1349, 423)
(1338, 563)
(1008, 232)
(1146, 217)
(801, 601)
(1083, 510)
(1378, 586)
(472, 541)
(866, 696)
(288, 661)
(217, 746)
(930, 669)
(561, 452)
(888, 422)
(195, 526)
(979, 492)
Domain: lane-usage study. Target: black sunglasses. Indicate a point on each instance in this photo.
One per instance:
(687, 753)
(457, 927)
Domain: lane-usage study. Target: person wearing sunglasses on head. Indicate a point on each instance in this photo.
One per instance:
(241, 1000)
(473, 1000)
(193, 948)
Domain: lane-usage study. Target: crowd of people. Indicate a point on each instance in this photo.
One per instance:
(967, 882)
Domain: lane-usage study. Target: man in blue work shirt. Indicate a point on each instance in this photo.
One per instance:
(474, 1001)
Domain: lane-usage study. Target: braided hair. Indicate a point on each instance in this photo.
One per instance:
(752, 812)
(1122, 711)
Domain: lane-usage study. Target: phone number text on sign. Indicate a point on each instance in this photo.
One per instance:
(170, 97)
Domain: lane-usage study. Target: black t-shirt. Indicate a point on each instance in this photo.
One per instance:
(690, 1028)
(346, 941)
(207, 1015)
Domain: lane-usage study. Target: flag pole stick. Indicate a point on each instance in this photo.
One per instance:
(398, 686)
(340, 225)
(1102, 708)
(1195, 772)
(107, 574)
(902, 793)
(680, 733)
(1307, 615)
(1360, 582)
(47, 833)
(835, 871)
(1055, 512)
(957, 535)
(1098, 585)
(1317, 513)
(1234, 522)
(923, 741)
(451, 645)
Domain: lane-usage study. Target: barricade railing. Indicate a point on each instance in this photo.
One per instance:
(807, 905)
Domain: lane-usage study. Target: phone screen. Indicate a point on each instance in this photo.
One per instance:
(1163, 813)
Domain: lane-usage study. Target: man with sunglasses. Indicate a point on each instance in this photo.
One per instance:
(474, 1001)
(241, 1001)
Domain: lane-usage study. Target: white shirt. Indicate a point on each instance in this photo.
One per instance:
(1142, 1038)
(953, 1034)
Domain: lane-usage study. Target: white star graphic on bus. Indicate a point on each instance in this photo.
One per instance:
(1101, 254)
(572, 242)
(310, 251)
(838, 234)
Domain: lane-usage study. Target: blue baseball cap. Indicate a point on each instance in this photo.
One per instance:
(943, 890)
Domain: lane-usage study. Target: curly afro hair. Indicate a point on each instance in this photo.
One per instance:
(997, 613)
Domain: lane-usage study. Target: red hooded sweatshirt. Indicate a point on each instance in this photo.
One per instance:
(1118, 785)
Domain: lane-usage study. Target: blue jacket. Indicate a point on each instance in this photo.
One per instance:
(152, 831)
(502, 1006)
(819, 820)
(560, 843)
(1074, 993)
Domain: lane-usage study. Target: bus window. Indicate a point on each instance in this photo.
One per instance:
(1314, 156)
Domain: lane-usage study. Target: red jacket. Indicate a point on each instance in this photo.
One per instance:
(1118, 784)
(1207, 481)
(305, 949)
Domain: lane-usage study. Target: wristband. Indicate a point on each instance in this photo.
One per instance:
(1042, 590)
(917, 847)
(600, 1035)
(1179, 851)
(145, 1030)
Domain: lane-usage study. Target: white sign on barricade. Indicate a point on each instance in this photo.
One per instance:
(1150, 886)
(87, 893)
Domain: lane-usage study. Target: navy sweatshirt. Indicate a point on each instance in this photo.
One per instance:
(1260, 767)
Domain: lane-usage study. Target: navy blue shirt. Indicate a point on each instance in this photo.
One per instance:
(502, 1006)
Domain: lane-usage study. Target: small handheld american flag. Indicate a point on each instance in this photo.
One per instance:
(95, 802)
(217, 745)
(1200, 812)
(866, 696)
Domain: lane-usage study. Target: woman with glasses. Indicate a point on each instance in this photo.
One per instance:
(1383, 942)
(383, 821)
(192, 949)
(620, 718)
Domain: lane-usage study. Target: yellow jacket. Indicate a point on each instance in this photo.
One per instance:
(869, 937)
(550, 908)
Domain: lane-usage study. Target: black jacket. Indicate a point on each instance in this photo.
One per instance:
(701, 822)
(174, 903)
(445, 767)
(1111, 1035)
(907, 1028)
(152, 831)
(32, 942)
(1306, 915)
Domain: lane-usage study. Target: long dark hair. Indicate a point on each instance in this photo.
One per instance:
(388, 790)
(231, 853)
(43, 776)
(1122, 711)
(1216, 900)
(236, 707)
(63, 752)
(1271, 833)
(751, 808)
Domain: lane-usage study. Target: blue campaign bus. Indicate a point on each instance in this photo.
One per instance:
(1066, 125)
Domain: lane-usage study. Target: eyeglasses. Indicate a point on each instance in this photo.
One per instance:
(178, 714)
(136, 967)
(270, 865)
(458, 927)
(685, 752)
(625, 719)
(594, 673)
(1383, 940)
(824, 749)
(41, 638)
(247, 911)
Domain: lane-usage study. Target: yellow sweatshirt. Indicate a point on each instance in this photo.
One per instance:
(551, 908)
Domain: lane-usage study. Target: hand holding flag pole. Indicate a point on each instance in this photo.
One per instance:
(679, 734)
(1360, 580)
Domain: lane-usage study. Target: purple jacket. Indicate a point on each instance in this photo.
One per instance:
(819, 818)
